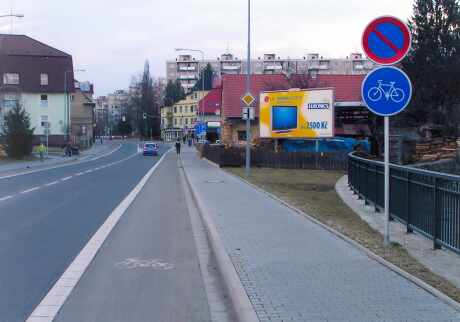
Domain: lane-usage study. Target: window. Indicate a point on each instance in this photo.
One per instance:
(43, 79)
(241, 135)
(44, 100)
(180, 109)
(10, 101)
(191, 109)
(175, 121)
(11, 79)
(175, 109)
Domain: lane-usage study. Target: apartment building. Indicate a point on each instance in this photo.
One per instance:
(39, 78)
(186, 68)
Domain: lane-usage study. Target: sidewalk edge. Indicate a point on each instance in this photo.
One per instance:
(242, 306)
(55, 299)
(443, 297)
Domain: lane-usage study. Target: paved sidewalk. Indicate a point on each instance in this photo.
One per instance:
(295, 270)
(7, 168)
(443, 262)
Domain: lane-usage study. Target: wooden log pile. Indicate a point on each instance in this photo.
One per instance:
(436, 149)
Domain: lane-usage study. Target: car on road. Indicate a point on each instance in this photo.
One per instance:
(150, 148)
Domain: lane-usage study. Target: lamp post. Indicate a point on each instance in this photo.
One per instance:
(248, 89)
(12, 15)
(67, 105)
(200, 115)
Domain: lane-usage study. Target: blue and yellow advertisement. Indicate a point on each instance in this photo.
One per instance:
(297, 114)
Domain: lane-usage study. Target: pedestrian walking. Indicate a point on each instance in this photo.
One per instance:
(41, 151)
(189, 141)
(184, 138)
(178, 146)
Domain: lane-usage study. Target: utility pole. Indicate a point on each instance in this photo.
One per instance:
(248, 88)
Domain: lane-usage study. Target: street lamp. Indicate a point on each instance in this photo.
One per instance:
(202, 78)
(67, 106)
(12, 15)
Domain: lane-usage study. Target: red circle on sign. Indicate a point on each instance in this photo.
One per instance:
(400, 53)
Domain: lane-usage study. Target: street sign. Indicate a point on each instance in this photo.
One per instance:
(386, 91)
(248, 99)
(248, 111)
(386, 40)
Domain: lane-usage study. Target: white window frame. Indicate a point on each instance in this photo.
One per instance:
(44, 79)
(11, 79)
(44, 103)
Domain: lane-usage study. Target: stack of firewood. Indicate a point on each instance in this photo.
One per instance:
(436, 149)
(2, 152)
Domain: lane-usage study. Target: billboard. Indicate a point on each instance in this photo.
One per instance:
(297, 114)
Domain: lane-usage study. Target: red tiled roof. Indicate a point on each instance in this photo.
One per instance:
(212, 102)
(347, 87)
(234, 87)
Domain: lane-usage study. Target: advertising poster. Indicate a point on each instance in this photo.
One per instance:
(297, 114)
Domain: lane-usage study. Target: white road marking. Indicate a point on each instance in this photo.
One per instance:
(78, 174)
(6, 198)
(89, 171)
(51, 183)
(87, 254)
(67, 178)
(30, 190)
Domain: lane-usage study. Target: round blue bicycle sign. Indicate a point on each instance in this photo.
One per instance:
(386, 91)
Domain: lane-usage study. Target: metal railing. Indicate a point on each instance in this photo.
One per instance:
(425, 201)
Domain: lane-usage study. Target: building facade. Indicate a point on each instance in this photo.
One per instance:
(39, 78)
(186, 68)
(180, 119)
(82, 114)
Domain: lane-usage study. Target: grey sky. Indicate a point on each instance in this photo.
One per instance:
(112, 38)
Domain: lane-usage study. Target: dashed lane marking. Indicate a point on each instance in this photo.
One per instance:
(6, 198)
(67, 178)
(29, 190)
(51, 183)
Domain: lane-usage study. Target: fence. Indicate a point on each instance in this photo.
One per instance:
(425, 201)
(235, 157)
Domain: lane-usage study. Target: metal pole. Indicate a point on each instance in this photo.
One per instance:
(202, 88)
(66, 107)
(248, 88)
(387, 181)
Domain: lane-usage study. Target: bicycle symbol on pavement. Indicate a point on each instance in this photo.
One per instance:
(387, 91)
(153, 263)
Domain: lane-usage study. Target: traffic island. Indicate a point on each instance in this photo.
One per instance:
(313, 192)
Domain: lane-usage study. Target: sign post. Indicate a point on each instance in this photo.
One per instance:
(386, 90)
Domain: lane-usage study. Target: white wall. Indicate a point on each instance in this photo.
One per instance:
(56, 111)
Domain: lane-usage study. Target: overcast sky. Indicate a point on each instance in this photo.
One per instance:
(111, 39)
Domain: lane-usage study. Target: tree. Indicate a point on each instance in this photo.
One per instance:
(208, 74)
(124, 127)
(18, 133)
(174, 93)
(433, 65)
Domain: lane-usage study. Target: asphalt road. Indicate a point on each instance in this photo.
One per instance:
(148, 268)
(47, 217)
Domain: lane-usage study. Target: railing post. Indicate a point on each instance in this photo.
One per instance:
(376, 188)
(435, 215)
(366, 189)
(408, 228)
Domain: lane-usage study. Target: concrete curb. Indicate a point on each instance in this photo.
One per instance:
(443, 297)
(240, 301)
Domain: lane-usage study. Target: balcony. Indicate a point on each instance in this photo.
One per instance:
(231, 67)
(273, 67)
(187, 68)
(188, 76)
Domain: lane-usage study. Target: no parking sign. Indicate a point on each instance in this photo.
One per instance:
(386, 40)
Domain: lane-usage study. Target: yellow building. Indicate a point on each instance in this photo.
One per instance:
(180, 119)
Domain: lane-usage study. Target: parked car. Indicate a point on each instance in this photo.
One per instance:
(150, 148)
